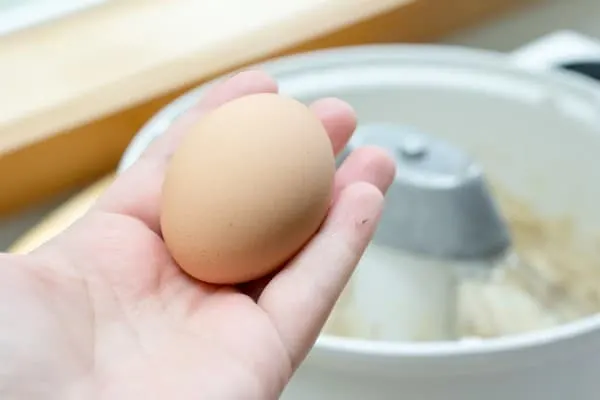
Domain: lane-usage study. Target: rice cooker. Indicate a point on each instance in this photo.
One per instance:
(483, 141)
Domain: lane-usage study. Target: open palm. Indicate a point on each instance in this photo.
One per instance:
(102, 311)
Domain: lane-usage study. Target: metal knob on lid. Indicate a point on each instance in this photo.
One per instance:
(441, 247)
(439, 204)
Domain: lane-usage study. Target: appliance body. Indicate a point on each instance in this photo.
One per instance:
(535, 132)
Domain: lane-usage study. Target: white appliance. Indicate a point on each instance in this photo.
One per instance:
(536, 131)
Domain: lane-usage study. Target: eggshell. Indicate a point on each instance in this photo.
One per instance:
(247, 188)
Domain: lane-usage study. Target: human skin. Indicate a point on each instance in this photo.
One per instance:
(102, 311)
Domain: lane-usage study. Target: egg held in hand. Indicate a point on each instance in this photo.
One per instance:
(248, 187)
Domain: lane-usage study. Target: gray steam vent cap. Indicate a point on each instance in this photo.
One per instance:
(439, 204)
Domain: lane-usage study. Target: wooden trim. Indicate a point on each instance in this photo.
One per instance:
(72, 94)
(122, 53)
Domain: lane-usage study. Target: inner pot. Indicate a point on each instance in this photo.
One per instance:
(536, 136)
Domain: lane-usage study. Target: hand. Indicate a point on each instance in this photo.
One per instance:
(102, 312)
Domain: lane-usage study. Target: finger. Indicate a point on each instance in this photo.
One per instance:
(300, 297)
(137, 192)
(338, 118)
(368, 164)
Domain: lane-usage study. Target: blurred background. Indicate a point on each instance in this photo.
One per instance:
(28, 32)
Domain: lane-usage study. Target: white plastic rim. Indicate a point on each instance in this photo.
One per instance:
(298, 76)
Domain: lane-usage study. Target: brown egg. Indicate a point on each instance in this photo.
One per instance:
(247, 188)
